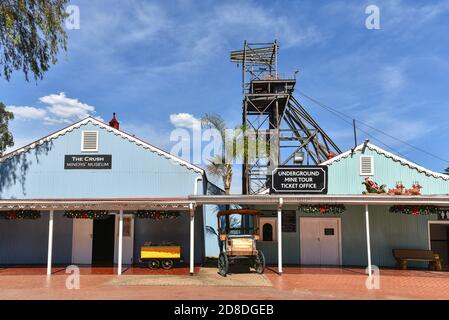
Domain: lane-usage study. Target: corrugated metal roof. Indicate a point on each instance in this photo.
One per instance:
(123, 134)
(440, 200)
(390, 155)
(162, 204)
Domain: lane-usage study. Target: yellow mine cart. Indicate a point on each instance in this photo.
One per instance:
(160, 255)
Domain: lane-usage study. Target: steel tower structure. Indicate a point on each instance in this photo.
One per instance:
(271, 110)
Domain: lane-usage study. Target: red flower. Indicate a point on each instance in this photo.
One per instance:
(13, 215)
(322, 210)
(415, 211)
(157, 215)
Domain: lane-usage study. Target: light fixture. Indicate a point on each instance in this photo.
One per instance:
(298, 158)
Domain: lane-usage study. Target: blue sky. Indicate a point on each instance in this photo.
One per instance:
(148, 60)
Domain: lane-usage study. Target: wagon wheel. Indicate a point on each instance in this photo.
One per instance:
(259, 262)
(153, 264)
(167, 264)
(223, 264)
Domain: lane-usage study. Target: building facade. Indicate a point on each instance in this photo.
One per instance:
(91, 161)
(315, 238)
(91, 166)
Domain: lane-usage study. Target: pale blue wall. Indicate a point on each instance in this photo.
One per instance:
(210, 222)
(136, 172)
(344, 175)
(388, 231)
(26, 241)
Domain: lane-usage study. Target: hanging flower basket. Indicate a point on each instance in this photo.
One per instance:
(20, 215)
(157, 215)
(415, 210)
(86, 214)
(323, 208)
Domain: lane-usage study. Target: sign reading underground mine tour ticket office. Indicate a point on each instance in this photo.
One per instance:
(96, 162)
(299, 180)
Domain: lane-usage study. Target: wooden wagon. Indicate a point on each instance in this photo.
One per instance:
(239, 242)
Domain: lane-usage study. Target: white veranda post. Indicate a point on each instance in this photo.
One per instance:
(50, 242)
(120, 243)
(192, 227)
(368, 240)
(192, 238)
(279, 225)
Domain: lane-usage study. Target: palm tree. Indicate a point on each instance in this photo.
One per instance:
(220, 165)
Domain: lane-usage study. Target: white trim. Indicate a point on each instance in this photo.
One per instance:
(354, 199)
(128, 241)
(368, 241)
(387, 154)
(120, 243)
(50, 242)
(340, 245)
(371, 159)
(279, 226)
(83, 148)
(192, 239)
(102, 125)
(428, 229)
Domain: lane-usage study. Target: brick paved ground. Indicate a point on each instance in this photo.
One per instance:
(295, 283)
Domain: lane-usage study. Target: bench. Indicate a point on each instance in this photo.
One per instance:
(402, 257)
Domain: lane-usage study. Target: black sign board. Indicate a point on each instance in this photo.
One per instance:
(97, 162)
(288, 221)
(299, 180)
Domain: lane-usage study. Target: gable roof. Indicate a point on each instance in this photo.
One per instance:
(390, 155)
(103, 125)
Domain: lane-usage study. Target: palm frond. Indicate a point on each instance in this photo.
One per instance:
(214, 121)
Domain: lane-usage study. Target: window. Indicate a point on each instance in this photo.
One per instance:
(267, 230)
(89, 141)
(366, 166)
(127, 226)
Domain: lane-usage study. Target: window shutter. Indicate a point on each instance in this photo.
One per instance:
(89, 141)
(366, 166)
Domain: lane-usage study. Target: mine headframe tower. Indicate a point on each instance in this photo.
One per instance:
(270, 110)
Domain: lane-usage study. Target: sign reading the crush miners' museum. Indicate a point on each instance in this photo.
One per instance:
(299, 180)
(99, 161)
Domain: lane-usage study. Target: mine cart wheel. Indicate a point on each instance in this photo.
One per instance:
(153, 264)
(167, 264)
(259, 262)
(223, 264)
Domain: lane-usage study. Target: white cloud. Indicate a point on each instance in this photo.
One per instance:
(66, 108)
(184, 120)
(204, 35)
(58, 109)
(24, 112)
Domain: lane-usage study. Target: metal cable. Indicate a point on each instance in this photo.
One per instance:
(342, 116)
